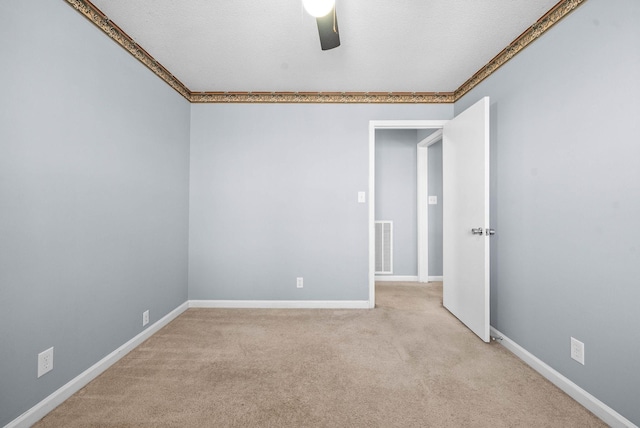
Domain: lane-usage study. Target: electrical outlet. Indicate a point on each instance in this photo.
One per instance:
(577, 350)
(299, 282)
(45, 361)
(145, 317)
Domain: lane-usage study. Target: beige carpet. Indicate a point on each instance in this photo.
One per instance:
(408, 363)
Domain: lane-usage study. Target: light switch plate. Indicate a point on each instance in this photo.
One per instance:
(362, 198)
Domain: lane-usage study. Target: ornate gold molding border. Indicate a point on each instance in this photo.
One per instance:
(93, 14)
(323, 97)
(557, 13)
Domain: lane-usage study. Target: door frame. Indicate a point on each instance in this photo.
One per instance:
(423, 204)
(373, 126)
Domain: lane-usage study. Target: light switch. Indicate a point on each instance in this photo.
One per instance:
(361, 198)
(433, 200)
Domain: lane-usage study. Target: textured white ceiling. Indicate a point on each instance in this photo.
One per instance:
(273, 45)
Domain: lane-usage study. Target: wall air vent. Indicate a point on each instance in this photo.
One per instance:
(384, 247)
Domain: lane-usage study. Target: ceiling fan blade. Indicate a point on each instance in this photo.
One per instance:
(328, 30)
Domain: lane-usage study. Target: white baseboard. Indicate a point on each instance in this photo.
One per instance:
(41, 409)
(597, 407)
(281, 304)
(396, 278)
(435, 278)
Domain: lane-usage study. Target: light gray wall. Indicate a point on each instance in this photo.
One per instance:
(565, 188)
(396, 194)
(93, 197)
(274, 196)
(435, 211)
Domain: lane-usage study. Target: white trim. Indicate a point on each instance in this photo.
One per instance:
(385, 124)
(591, 403)
(423, 203)
(423, 212)
(431, 139)
(372, 214)
(408, 124)
(281, 304)
(398, 278)
(435, 278)
(41, 409)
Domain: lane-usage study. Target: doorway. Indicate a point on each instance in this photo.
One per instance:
(466, 229)
(422, 204)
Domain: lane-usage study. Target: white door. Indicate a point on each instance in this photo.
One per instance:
(465, 204)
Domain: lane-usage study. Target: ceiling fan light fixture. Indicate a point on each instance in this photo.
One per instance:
(318, 8)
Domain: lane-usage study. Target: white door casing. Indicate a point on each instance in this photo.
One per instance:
(465, 165)
(423, 204)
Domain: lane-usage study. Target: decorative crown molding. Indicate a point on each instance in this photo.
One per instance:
(323, 97)
(93, 14)
(99, 19)
(559, 11)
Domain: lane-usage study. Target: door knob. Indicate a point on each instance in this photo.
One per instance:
(477, 231)
(489, 232)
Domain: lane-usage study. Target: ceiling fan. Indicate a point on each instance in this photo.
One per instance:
(325, 13)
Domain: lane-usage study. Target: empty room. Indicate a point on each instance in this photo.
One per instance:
(342, 213)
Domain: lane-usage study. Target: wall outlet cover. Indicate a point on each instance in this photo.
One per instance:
(145, 317)
(45, 361)
(577, 350)
(299, 282)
